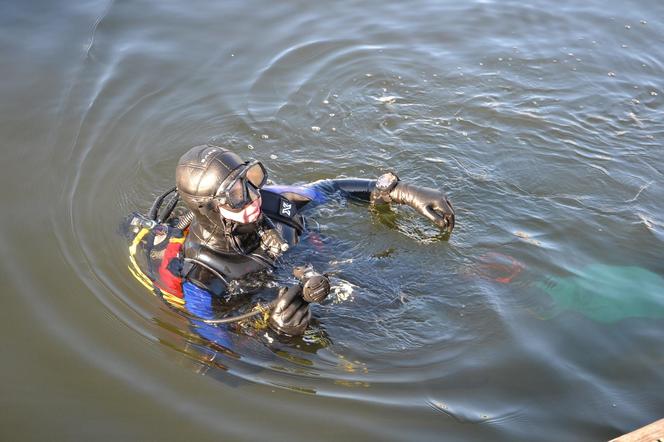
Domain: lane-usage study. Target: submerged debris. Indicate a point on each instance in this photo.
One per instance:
(385, 253)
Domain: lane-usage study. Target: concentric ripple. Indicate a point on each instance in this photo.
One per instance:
(542, 124)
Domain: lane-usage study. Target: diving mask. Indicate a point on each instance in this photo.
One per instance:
(242, 186)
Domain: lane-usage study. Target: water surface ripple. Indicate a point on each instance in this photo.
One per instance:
(539, 319)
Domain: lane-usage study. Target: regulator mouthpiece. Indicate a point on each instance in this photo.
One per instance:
(315, 286)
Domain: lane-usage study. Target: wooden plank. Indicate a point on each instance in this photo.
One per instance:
(650, 433)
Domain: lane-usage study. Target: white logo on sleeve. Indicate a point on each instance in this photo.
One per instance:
(285, 208)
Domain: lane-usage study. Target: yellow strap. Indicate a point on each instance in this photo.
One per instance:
(177, 240)
(142, 277)
(139, 236)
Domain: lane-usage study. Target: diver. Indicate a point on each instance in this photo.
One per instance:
(238, 225)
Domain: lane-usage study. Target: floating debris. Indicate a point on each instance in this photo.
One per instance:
(526, 237)
(265, 136)
(315, 128)
(611, 74)
(632, 116)
(326, 102)
(342, 261)
(389, 99)
(646, 221)
(273, 157)
(250, 147)
(653, 93)
(441, 406)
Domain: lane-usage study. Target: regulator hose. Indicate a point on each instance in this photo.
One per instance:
(257, 310)
(154, 210)
(169, 208)
(209, 268)
(185, 220)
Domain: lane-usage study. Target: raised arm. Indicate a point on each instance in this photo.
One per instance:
(354, 188)
(388, 188)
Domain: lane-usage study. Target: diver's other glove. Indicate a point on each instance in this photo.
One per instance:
(431, 203)
(290, 315)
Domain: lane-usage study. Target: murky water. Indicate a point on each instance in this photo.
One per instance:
(540, 319)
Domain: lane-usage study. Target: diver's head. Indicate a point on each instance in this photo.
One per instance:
(215, 183)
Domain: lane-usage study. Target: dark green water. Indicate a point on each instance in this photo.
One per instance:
(540, 319)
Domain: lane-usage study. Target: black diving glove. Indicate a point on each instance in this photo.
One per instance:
(431, 203)
(290, 315)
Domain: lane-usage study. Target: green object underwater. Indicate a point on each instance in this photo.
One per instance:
(608, 294)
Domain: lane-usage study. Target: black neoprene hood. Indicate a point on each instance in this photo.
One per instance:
(201, 171)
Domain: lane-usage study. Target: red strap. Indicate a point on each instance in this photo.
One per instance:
(171, 283)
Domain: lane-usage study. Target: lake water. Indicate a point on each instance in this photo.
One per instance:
(540, 318)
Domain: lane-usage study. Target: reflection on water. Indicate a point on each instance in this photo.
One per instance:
(539, 315)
